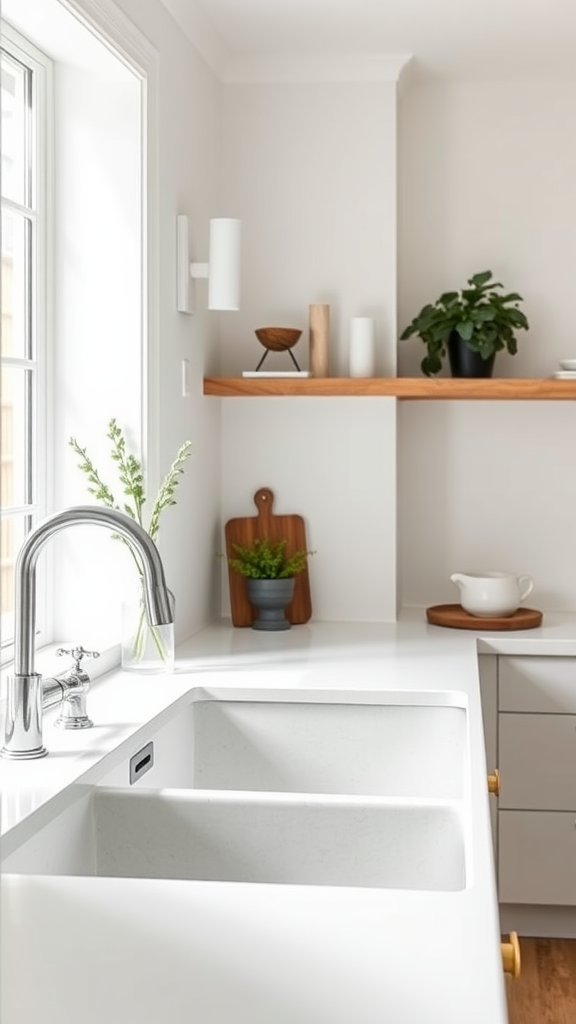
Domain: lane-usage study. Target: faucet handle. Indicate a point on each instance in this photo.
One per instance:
(75, 683)
(77, 653)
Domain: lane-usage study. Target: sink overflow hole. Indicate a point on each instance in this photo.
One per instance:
(141, 762)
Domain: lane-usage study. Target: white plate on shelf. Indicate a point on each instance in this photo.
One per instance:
(567, 364)
(565, 375)
(277, 373)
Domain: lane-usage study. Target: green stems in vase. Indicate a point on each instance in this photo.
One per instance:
(145, 648)
(147, 644)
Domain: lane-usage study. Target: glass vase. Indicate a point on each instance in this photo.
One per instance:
(145, 648)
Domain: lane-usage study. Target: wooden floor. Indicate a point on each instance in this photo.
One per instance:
(545, 992)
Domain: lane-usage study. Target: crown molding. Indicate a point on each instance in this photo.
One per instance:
(105, 20)
(292, 68)
(296, 68)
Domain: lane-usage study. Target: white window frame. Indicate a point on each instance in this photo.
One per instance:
(108, 24)
(40, 442)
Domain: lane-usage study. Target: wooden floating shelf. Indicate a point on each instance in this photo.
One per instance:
(407, 388)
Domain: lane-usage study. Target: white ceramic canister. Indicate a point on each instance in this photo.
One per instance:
(489, 594)
(362, 355)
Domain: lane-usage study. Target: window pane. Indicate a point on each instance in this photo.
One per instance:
(16, 308)
(15, 434)
(15, 130)
(12, 533)
(23, 74)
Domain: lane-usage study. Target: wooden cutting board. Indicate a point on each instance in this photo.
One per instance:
(454, 616)
(244, 531)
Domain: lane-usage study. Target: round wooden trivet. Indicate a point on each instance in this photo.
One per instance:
(454, 616)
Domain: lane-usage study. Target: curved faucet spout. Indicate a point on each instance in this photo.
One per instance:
(23, 726)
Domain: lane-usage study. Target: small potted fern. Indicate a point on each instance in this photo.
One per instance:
(270, 574)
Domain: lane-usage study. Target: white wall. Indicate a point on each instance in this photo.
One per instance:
(486, 180)
(310, 168)
(187, 162)
(332, 461)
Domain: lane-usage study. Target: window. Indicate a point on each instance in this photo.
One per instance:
(89, 295)
(25, 76)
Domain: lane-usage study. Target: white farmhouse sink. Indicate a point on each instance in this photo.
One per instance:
(316, 792)
(382, 749)
(185, 834)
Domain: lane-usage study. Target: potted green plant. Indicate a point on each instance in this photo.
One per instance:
(471, 325)
(270, 578)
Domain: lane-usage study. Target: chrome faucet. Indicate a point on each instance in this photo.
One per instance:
(23, 720)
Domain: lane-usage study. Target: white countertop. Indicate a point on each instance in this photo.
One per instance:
(448, 943)
(221, 657)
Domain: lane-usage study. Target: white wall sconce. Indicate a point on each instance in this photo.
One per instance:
(222, 270)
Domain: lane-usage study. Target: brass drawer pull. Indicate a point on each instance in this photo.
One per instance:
(494, 783)
(511, 960)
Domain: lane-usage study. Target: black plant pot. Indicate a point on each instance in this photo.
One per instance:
(464, 362)
(271, 598)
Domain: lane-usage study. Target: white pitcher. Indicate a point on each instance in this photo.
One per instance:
(488, 594)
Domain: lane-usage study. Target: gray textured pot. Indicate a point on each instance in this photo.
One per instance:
(270, 598)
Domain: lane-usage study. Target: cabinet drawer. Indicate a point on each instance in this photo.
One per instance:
(537, 684)
(537, 762)
(537, 857)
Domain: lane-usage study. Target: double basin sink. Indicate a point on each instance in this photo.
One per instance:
(367, 792)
